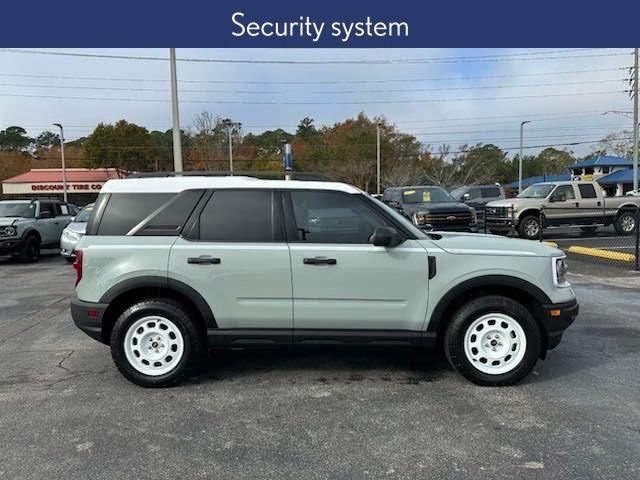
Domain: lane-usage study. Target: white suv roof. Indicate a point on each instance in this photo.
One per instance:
(178, 184)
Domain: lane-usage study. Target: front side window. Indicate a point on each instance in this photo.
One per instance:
(333, 217)
(237, 216)
(84, 214)
(563, 193)
(46, 208)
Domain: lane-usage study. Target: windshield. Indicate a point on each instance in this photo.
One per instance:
(17, 209)
(426, 195)
(458, 193)
(541, 190)
(400, 218)
(84, 214)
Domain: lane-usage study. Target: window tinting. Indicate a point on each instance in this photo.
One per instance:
(587, 191)
(168, 219)
(491, 192)
(46, 207)
(333, 217)
(126, 210)
(237, 216)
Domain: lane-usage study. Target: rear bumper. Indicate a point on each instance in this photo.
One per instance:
(88, 317)
(556, 319)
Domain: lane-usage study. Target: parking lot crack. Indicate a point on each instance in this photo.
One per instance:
(66, 357)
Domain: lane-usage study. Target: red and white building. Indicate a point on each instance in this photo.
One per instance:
(83, 184)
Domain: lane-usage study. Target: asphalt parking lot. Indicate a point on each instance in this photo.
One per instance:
(65, 412)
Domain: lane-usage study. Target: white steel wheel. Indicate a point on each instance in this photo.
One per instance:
(495, 343)
(153, 345)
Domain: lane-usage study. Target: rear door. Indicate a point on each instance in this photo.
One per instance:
(590, 208)
(233, 253)
(341, 281)
(46, 221)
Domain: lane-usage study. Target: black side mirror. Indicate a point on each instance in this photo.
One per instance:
(46, 214)
(394, 204)
(386, 237)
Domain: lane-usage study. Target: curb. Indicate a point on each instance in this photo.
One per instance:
(551, 244)
(597, 252)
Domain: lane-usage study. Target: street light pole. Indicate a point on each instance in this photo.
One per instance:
(64, 168)
(229, 124)
(635, 120)
(378, 158)
(177, 144)
(522, 124)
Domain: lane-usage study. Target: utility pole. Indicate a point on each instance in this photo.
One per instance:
(378, 158)
(635, 119)
(229, 124)
(522, 124)
(177, 145)
(64, 168)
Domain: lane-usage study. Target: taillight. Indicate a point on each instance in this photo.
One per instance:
(77, 265)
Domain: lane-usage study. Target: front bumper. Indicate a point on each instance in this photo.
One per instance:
(556, 318)
(88, 317)
(10, 245)
(67, 246)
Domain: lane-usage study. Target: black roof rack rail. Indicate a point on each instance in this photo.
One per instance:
(264, 174)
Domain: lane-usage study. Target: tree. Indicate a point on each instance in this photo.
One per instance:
(15, 138)
(46, 140)
(211, 139)
(125, 146)
(619, 145)
(307, 131)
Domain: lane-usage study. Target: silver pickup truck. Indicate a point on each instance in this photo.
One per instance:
(551, 204)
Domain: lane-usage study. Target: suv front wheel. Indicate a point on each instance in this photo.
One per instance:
(492, 340)
(154, 343)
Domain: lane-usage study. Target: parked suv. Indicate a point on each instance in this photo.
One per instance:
(26, 226)
(477, 196)
(169, 267)
(431, 208)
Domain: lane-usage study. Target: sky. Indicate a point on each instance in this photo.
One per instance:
(452, 96)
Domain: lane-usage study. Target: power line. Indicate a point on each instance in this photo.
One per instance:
(524, 56)
(132, 89)
(317, 82)
(369, 102)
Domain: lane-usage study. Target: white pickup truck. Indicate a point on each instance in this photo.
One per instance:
(551, 204)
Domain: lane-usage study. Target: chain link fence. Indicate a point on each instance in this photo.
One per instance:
(599, 235)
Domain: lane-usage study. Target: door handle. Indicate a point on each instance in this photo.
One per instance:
(320, 261)
(203, 260)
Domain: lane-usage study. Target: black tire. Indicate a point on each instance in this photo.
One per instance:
(70, 259)
(502, 233)
(622, 222)
(194, 348)
(589, 229)
(523, 227)
(30, 251)
(454, 339)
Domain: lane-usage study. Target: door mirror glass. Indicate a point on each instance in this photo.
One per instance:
(386, 237)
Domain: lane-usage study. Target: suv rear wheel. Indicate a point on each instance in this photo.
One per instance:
(154, 343)
(492, 340)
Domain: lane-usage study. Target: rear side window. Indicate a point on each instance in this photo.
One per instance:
(126, 210)
(587, 190)
(237, 216)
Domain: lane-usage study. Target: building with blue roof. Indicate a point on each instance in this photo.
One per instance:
(594, 168)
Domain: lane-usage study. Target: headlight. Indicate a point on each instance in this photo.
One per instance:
(10, 231)
(70, 235)
(559, 266)
(421, 218)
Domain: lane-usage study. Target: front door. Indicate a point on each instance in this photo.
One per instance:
(340, 280)
(236, 258)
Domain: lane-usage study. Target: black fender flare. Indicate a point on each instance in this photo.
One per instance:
(480, 282)
(164, 283)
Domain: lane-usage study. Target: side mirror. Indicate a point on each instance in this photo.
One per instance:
(73, 219)
(394, 204)
(466, 197)
(46, 214)
(386, 237)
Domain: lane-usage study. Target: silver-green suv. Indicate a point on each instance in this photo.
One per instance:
(170, 267)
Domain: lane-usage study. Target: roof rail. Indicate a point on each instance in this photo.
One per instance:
(263, 174)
